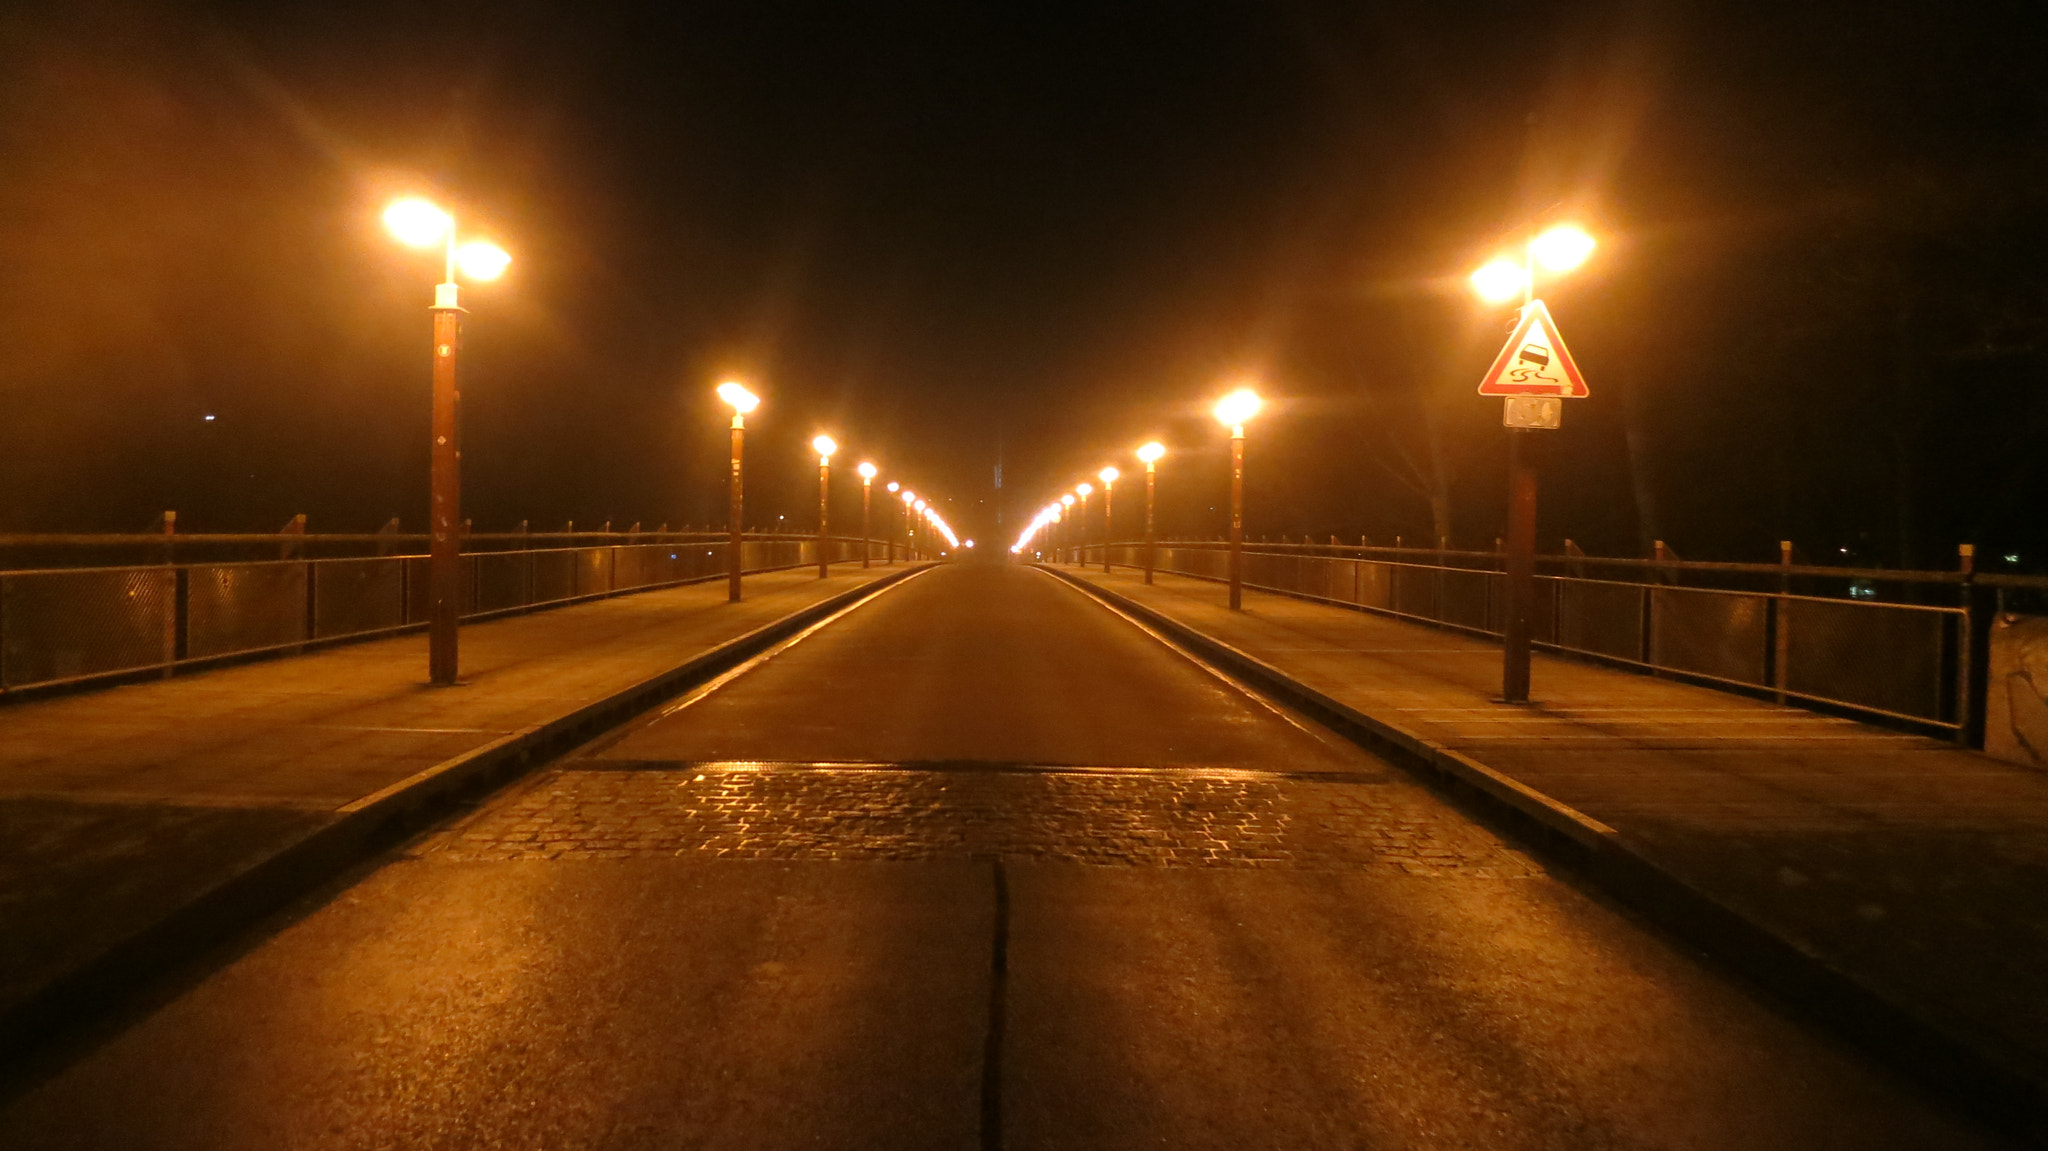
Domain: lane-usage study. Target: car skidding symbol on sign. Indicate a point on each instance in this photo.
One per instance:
(1535, 361)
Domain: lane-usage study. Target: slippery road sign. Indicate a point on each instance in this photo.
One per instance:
(1534, 362)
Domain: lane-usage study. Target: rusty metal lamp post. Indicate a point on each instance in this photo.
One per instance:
(1150, 453)
(742, 401)
(867, 477)
(1108, 477)
(1233, 410)
(824, 446)
(420, 224)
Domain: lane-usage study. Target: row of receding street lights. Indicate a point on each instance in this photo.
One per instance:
(927, 516)
(421, 224)
(1556, 250)
(1233, 411)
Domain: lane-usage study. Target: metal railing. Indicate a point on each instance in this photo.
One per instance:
(1805, 634)
(67, 624)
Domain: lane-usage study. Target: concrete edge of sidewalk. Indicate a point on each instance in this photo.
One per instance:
(359, 831)
(1995, 1085)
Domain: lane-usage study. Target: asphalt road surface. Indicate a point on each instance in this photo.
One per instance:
(979, 864)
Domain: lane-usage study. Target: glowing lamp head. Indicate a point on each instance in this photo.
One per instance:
(1562, 248)
(1084, 490)
(919, 505)
(481, 261)
(1235, 409)
(824, 446)
(1500, 280)
(867, 470)
(1066, 501)
(417, 223)
(1152, 452)
(742, 400)
(909, 497)
(893, 485)
(1107, 476)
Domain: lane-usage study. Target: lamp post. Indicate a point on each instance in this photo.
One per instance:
(1233, 410)
(420, 224)
(1558, 249)
(824, 446)
(1066, 528)
(1150, 453)
(1108, 477)
(909, 498)
(917, 527)
(1084, 490)
(742, 401)
(867, 477)
(889, 553)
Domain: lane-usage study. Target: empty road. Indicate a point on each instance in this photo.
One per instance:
(978, 864)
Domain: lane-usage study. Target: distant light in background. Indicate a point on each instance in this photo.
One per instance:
(208, 417)
(1499, 281)
(1562, 248)
(417, 222)
(482, 261)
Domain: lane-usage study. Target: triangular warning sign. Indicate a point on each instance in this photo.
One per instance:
(1534, 362)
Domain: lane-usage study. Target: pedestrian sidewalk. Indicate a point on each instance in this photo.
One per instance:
(1916, 869)
(122, 809)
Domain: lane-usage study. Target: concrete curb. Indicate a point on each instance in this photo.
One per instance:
(1994, 1084)
(362, 828)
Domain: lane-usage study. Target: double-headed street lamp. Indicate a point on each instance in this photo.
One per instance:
(824, 446)
(867, 477)
(1108, 477)
(420, 224)
(1233, 411)
(1558, 249)
(742, 401)
(1151, 454)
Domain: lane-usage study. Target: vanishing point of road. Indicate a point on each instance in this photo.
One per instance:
(978, 863)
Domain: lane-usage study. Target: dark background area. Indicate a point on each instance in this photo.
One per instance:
(953, 234)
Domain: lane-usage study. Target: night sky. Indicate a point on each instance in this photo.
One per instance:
(951, 234)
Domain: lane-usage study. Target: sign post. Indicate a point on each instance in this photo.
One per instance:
(1534, 374)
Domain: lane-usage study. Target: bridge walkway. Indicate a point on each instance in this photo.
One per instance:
(1917, 869)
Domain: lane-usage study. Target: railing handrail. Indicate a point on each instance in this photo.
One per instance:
(1552, 559)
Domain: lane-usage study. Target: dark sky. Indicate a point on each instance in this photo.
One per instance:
(1051, 230)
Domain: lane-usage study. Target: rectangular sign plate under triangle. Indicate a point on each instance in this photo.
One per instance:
(1535, 362)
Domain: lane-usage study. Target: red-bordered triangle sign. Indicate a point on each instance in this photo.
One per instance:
(1534, 362)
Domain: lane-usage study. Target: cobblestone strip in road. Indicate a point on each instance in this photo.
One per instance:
(1137, 818)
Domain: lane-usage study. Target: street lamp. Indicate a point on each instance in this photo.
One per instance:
(1233, 411)
(1083, 489)
(1556, 249)
(418, 223)
(909, 498)
(1108, 477)
(1151, 454)
(824, 446)
(742, 401)
(867, 476)
(889, 553)
(1066, 529)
